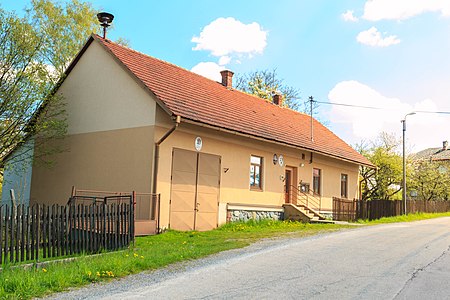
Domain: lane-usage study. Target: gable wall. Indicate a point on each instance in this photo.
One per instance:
(110, 133)
(102, 96)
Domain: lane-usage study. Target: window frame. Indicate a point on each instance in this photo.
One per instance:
(319, 182)
(259, 165)
(344, 195)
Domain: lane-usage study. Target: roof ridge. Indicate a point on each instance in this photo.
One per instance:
(196, 74)
(155, 58)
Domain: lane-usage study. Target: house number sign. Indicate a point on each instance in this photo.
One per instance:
(198, 143)
(281, 160)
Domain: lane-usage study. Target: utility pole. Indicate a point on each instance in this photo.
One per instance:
(311, 101)
(404, 161)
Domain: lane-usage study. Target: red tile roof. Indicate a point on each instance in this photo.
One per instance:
(200, 99)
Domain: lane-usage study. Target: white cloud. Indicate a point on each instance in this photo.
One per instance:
(375, 10)
(366, 124)
(224, 60)
(372, 37)
(349, 17)
(210, 70)
(228, 36)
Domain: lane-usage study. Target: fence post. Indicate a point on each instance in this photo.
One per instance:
(133, 214)
(12, 227)
(1, 234)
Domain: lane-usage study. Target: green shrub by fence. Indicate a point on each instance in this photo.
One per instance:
(40, 231)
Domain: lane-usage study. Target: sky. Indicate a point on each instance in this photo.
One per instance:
(390, 55)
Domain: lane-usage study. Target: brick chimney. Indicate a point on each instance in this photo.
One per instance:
(444, 145)
(277, 99)
(227, 78)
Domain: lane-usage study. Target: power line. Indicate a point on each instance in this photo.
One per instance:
(349, 105)
(433, 112)
(381, 108)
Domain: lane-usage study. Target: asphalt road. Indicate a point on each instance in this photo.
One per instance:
(392, 261)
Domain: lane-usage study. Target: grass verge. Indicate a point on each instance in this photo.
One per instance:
(149, 253)
(405, 218)
(153, 252)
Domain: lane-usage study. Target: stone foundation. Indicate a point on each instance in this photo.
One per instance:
(240, 215)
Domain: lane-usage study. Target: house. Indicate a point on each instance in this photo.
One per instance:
(213, 153)
(441, 154)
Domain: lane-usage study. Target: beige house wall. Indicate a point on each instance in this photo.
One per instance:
(110, 132)
(235, 152)
(115, 160)
(101, 96)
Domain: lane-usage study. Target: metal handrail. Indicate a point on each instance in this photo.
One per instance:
(99, 199)
(308, 200)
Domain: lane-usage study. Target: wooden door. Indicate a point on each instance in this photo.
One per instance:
(182, 199)
(195, 190)
(207, 192)
(290, 182)
(287, 186)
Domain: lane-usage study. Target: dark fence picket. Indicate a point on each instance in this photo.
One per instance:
(78, 229)
(66, 231)
(12, 236)
(1, 235)
(6, 234)
(28, 242)
(108, 220)
(114, 227)
(37, 233)
(104, 233)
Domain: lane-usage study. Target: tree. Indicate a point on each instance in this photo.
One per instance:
(34, 52)
(431, 180)
(264, 83)
(384, 182)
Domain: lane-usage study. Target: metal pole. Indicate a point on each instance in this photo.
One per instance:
(311, 100)
(404, 166)
(404, 160)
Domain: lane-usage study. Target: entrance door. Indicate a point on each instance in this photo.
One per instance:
(195, 190)
(290, 179)
(287, 185)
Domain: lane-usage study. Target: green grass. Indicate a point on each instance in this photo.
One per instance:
(406, 218)
(149, 253)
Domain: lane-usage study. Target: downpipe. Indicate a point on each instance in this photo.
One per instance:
(156, 160)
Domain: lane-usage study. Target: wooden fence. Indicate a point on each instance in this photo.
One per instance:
(350, 210)
(344, 209)
(40, 231)
(377, 209)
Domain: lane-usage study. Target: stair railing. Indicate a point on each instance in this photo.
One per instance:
(307, 199)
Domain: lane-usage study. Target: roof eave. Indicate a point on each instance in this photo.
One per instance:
(261, 138)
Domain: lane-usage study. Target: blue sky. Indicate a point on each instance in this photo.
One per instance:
(392, 54)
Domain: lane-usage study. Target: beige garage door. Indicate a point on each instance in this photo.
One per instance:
(195, 190)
